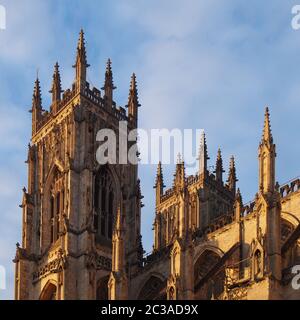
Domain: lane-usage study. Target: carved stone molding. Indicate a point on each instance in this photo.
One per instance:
(57, 265)
(98, 262)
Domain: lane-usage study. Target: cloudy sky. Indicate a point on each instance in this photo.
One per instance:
(199, 64)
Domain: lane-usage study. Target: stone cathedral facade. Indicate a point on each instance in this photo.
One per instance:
(81, 235)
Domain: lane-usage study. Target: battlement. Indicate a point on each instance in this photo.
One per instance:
(292, 187)
(248, 208)
(81, 88)
(216, 224)
(195, 179)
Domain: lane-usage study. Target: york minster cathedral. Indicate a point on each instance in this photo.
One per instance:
(81, 221)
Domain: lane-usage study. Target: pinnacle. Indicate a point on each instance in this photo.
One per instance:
(81, 50)
(37, 97)
(133, 92)
(108, 83)
(267, 133)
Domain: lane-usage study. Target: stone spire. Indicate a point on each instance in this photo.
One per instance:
(36, 106)
(267, 134)
(133, 101)
(203, 156)
(108, 84)
(232, 176)
(267, 155)
(219, 167)
(56, 87)
(159, 183)
(81, 63)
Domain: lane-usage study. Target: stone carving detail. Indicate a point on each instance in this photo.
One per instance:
(239, 293)
(22, 254)
(95, 261)
(57, 265)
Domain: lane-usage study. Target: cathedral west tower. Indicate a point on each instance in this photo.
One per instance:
(71, 202)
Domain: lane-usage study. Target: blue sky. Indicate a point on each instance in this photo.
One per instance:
(199, 64)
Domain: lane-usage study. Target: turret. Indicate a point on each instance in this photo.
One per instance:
(267, 155)
(269, 222)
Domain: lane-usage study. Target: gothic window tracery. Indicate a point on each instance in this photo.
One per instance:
(286, 230)
(56, 205)
(203, 265)
(154, 289)
(104, 203)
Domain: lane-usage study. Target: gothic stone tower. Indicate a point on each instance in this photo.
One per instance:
(70, 225)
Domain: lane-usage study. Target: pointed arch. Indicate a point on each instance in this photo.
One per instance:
(287, 228)
(208, 247)
(102, 288)
(56, 166)
(106, 199)
(289, 223)
(52, 205)
(258, 260)
(153, 288)
(205, 261)
(49, 291)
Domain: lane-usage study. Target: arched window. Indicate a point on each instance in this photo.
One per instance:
(102, 289)
(154, 289)
(104, 204)
(258, 271)
(49, 292)
(56, 206)
(213, 286)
